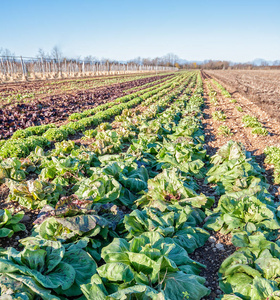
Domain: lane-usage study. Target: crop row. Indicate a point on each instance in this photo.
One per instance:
(249, 214)
(120, 225)
(144, 254)
(90, 112)
(25, 94)
(247, 120)
(21, 147)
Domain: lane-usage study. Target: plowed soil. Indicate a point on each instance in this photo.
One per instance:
(260, 86)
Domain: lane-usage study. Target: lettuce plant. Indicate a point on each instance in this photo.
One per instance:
(171, 188)
(233, 169)
(245, 214)
(252, 272)
(106, 142)
(148, 260)
(99, 189)
(11, 168)
(250, 121)
(49, 265)
(9, 224)
(184, 156)
(273, 157)
(260, 131)
(177, 224)
(34, 193)
(224, 130)
(219, 115)
(72, 222)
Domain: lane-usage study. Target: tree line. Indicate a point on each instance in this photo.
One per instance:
(168, 60)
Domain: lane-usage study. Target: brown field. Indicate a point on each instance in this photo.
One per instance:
(260, 86)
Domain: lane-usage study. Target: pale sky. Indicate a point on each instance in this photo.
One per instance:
(239, 31)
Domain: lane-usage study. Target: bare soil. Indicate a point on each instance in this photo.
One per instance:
(260, 86)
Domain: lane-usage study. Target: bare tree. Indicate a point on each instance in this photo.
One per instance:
(90, 58)
(56, 53)
(6, 52)
(41, 53)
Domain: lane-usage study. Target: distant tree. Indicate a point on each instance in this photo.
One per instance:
(90, 58)
(6, 52)
(56, 53)
(41, 54)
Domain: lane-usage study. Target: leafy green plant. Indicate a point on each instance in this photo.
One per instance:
(260, 131)
(106, 142)
(252, 272)
(23, 146)
(239, 108)
(34, 193)
(64, 148)
(47, 268)
(169, 188)
(179, 224)
(222, 89)
(232, 100)
(58, 134)
(9, 223)
(11, 168)
(253, 122)
(104, 126)
(273, 158)
(101, 189)
(219, 115)
(233, 169)
(89, 134)
(243, 215)
(250, 121)
(34, 130)
(214, 101)
(74, 221)
(148, 260)
(224, 130)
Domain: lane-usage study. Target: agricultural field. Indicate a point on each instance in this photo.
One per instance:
(44, 109)
(260, 86)
(153, 187)
(24, 92)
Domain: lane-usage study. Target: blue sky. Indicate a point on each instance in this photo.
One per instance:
(124, 29)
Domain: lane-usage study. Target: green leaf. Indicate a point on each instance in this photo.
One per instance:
(138, 292)
(177, 285)
(33, 286)
(116, 272)
(83, 264)
(5, 232)
(116, 251)
(95, 289)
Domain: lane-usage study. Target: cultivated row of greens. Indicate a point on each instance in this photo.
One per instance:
(26, 140)
(247, 120)
(120, 216)
(101, 234)
(251, 215)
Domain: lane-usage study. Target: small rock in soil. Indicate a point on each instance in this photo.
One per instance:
(220, 247)
(212, 239)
